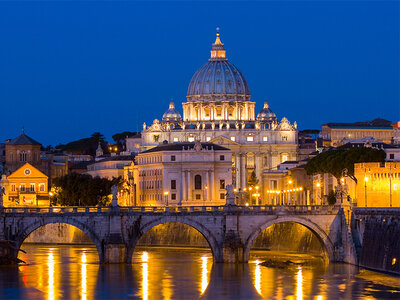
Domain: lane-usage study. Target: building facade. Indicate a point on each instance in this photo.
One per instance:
(219, 110)
(181, 174)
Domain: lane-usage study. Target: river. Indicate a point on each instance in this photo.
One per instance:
(73, 272)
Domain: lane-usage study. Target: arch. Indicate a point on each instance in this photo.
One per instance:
(27, 230)
(314, 228)
(207, 234)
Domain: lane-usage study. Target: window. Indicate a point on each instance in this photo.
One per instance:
(222, 157)
(222, 196)
(265, 139)
(173, 196)
(176, 139)
(41, 187)
(391, 156)
(198, 197)
(208, 138)
(222, 184)
(197, 182)
(284, 138)
(173, 158)
(173, 184)
(22, 156)
(233, 138)
(273, 184)
(191, 139)
(13, 188)
(22, 187)
(250, 138)
(32, 187)
(284, 157)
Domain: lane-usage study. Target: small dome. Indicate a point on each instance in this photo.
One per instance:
(266, 114)
(171, 114)
(218, 79)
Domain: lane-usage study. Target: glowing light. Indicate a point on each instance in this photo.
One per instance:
(257, 277)
(299, 284)
(257, 187)
(366, 179)
(166, 193)
(145, 276)
(290, 181)
(394, 261)
(235, 190)
(250, 188)
(204, 271)
(83, 276)
(300, 188)
(247, 204)
(318, 184)
(50, 265)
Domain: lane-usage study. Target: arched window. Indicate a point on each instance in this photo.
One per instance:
(197, 182)
(22, 156)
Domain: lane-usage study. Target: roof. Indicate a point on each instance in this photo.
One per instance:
(290, 162)
(23, 139)
(183, 146)
(377, 145)
(116, 158)
(79, 165)
(376, 123)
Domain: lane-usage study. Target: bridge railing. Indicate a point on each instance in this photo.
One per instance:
(170, 209)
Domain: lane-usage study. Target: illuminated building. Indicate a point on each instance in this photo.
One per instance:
(219, 110)
(110, 167)
(26, 186)
(182, 174)
(378, 185)
(335, 134)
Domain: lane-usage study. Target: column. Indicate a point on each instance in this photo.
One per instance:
(188, 187)
(258, 159)
(207, 182)
(237, 165)
(243, 182)
(212, 193)
(183, 183)
(209, 185)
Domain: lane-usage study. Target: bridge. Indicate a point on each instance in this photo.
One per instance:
(230, 230)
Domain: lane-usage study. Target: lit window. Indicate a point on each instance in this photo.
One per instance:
(32, 187)
(13, 188)
(22, 187)
(176, 139)
(284, 138)
(233, 138)
(265, 139)
(191, 139)
(208, 138)
(222, 196)
(284, 157)
(250, 139)
(41, 187)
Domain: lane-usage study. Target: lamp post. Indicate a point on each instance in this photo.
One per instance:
(166, 196)
(258, 195)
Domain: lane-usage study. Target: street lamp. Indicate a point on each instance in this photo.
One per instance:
(166, 196)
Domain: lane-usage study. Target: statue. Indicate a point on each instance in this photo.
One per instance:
(243, 125)
(198, 125)
(221, 124)
(197, 146)
(237, 125)
(144, 125)
(2, 192)
(212, 125)
(230, 196)
(258, 125)
(203, 126)
(228, 125)
(114, 191)
(183, 126)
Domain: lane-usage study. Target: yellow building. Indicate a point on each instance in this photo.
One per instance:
(378, 185)
(27, 186)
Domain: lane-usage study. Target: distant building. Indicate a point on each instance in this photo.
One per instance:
(110, 167)
(26, 186)
(334, 134)
(183, 174)
(378, 185)
(392, 151)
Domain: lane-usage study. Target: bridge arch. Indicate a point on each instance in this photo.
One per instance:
(206, 233)
(31, 227)
(314, 228)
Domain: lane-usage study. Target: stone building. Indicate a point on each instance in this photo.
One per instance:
(182, 174)
(378, 185)
(109, 167)
(219, 110)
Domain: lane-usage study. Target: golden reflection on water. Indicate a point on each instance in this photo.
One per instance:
(257, 277)
(204, 274)
(299, 284)
(145, 276)
(50, 283)
(83, 276)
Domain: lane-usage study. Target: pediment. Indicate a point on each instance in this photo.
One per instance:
(221, 140)
(27, 170)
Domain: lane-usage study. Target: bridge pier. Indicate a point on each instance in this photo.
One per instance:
(114, 254)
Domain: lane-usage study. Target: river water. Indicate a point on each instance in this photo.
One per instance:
(73, 272)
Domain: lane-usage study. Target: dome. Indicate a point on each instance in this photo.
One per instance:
(266, 114)
(171, 114)
(218, 79)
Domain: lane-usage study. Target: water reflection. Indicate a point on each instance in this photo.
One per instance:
(72, 272)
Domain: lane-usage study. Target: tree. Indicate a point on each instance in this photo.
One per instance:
(86, 146)
(82, 190)
(334, 161)
(252, 181)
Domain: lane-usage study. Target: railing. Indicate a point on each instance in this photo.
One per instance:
(172, 209)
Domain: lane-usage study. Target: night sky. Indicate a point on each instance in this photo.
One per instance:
(68, 69)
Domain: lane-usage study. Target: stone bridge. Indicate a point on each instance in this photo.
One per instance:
(229, 230)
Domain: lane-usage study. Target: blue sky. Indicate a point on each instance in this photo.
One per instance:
(69, 68)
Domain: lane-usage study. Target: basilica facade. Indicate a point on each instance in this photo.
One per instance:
(219, 110)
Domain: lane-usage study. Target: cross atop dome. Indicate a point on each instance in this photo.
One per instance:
(218, 52)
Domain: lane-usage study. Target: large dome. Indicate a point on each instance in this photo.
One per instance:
(218, 79)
